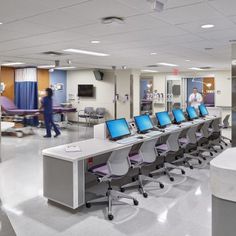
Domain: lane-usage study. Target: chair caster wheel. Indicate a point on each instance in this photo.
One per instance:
(183, 172)
(221, 147)
(88, 205)
(145, 195)
(191, 167)
(162, 185)
(172, 179)
(135, 202)
(150, 175)
(204, 158)
(211, 153)
(164, 173)
(122, 190)
(110, 217)
(133, 179)
(199, 162)
(215, 151)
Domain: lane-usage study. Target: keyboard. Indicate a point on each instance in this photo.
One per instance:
(128, 140)
(172, 127)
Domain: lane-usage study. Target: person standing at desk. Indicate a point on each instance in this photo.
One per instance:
(195, 99)
(46, 105)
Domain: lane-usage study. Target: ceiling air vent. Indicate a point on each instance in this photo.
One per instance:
(52, 53)
(205, 68)
(152, 66)
(113, 19)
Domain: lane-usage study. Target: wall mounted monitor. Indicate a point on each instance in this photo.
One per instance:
(143, 123)
(163, 118)
(178, 115)
(85, 90)
(203, 110)
(117, 129)
(192, 114)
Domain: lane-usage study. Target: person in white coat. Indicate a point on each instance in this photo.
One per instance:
(195, 99)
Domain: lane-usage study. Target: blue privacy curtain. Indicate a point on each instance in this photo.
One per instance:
(26, 90)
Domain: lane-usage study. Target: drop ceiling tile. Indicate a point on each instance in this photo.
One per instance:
(189, 13)
(226, 7)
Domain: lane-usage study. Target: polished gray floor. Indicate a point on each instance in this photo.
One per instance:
(182, 209)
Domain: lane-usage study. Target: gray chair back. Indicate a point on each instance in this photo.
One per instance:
(100, 111)
(88, 110)
(216, 125)
(148, 151)
(173, 141)
(205, 129)
(191, 134)
(226, 121)
(118, 162)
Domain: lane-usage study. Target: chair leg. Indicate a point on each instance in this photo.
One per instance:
(98, 200)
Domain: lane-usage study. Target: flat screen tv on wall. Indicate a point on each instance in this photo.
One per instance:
(85, 90)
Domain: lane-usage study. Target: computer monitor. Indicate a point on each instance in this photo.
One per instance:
(203, 110)
(178, 115)
(192, 114)
(163, 118)
(143, 123)
(117, 128)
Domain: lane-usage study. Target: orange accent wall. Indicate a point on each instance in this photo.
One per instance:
(43, 79)
(7, 76)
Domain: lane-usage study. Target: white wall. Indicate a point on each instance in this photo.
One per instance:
(104, 91)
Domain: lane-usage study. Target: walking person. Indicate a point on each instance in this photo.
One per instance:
(46, 105)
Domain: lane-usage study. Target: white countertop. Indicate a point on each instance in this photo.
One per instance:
(223, 175)
(95, 146)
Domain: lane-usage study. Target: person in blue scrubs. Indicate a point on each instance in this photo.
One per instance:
(48, 114)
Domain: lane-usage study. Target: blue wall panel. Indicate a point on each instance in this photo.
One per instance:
(59, 76)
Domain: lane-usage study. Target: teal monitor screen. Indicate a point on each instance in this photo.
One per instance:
(163, 118)
(203, 110)
(192, 113)
(178, 115)
(118, 128)
(143, 123)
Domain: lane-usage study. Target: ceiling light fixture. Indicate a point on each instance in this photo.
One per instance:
(1, 23)
(95, 41)
(112, 19)
(99, 54)
(195, 68)
(149, 71)
(45, 66)
(187, 60)
(167, 64)
(65, 67)
(12, 63)
(153, 53)
(207, 26)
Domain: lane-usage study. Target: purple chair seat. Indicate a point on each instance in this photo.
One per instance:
(162, 147)
(183, 141)
(22, 112)
(100, 170)
(135, 158)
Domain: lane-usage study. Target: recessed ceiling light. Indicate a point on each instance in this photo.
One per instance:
(207, 26)
(95, 41)
(153, 53)
(99, 54)
(1, 23)
(149, 71)
(12, 63)
(167, 64)
(65, 68)
(187, 60)
(195, 68)
(46, 66)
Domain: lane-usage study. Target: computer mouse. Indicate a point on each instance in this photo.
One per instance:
(140, 137)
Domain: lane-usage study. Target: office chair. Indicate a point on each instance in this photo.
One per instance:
(189, 144)
(144, 157)
(169, 151)
(117, 166)
(225, 125)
